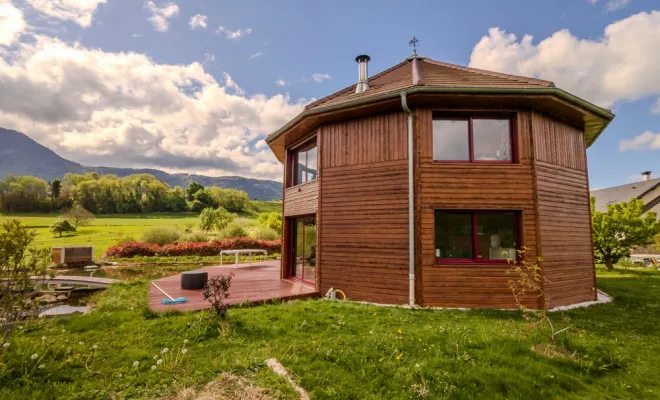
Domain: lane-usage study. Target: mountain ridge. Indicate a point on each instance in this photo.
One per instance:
(21, 155)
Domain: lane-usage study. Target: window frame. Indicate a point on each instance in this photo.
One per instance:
(469, 118)
(292, 161)
(517, 229)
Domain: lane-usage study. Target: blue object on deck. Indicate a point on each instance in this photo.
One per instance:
(178, 300)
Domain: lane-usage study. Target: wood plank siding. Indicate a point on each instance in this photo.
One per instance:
(363, 249)
(301, 199)
(564, 211)
(471, 187)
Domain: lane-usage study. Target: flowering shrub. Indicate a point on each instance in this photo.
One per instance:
(213, 248)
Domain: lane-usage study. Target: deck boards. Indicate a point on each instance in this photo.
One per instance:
(257, 283)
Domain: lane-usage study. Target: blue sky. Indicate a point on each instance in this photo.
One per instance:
(121, 57)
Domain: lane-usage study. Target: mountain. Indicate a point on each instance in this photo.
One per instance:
(20, 155)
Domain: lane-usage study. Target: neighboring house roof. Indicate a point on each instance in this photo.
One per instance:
(431, 73)
(618, 194)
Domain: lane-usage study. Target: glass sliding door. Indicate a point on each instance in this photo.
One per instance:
(303, 249)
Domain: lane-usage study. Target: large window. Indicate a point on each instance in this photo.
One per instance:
(472, 139)
(304, 162)
(481, 236)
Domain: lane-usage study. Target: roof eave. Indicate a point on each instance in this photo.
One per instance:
(600, 112)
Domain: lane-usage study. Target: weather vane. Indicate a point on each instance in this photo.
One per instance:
(413, 43)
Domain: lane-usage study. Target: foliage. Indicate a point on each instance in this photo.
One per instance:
(176, 200)
(160, 236)
(196, 237)
(211, 219)
(527, 285)
(192, 189)
(61, 227)
(205, 198)
(232, 200)
(272, 220)
(19, 261)
(620, 228)
(260, 232)
(212, 248)
(216, 292)
(78, 216)
(24, 194)
(55, 190)
(234, 230)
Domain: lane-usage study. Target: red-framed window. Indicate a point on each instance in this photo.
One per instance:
(303, 164)
(474, 139)
(476, 236)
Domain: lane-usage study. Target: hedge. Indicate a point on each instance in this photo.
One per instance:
(213, 248)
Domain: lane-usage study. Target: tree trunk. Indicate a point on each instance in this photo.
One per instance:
(609, 265)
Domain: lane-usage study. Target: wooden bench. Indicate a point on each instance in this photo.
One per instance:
(242, 251)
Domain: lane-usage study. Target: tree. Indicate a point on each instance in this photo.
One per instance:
(55, 190)
(19, 262)
(210, 219)
(62, 226)
(77, 215)
(272, 220)
(193, 188)
(621, 227)
(232, 200)
(176, 200)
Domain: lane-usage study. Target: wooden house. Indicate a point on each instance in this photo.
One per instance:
(415, 185)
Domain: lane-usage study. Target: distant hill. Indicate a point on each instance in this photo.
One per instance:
(20, 155)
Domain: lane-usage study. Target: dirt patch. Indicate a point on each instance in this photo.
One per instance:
(227, 387)
(552, 352)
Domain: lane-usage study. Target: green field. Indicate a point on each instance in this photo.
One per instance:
(345, 350)
(105, 230)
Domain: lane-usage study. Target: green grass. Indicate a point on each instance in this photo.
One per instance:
(346, 350)
(105, 230)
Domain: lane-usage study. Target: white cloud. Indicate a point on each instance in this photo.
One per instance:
(256, 55)
(136, 35)
(644, 141)
(614, 5)
(229, 34)
(160, 16)
(281, 82)
(78, 11)
(320, 77)
(12, 23)
(620, 66)
(592, 1)
(655, 109)
(209, 58)
(124, 109)
(198, 22)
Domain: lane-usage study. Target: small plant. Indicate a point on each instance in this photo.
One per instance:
(234, 230)
(263, 233)
(62, 226)
(528, 280)
(215, 292)
(160, 236)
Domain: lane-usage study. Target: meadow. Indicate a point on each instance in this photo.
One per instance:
(106, 230)
(344, 350)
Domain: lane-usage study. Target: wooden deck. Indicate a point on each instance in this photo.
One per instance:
(256, 283)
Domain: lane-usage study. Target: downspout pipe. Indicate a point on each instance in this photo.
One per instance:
(411, 202)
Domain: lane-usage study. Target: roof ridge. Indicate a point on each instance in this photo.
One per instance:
(626, 184)
(516, 78)
(352, 85)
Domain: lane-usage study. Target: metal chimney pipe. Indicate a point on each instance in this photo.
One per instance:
(363, 73)
(646, 175)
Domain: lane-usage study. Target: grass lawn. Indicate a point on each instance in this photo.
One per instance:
(105, 230)
(345, 350)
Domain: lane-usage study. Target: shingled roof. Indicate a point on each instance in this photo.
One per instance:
(421, 71)
(618, 194)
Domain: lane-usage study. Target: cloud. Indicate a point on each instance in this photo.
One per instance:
(655, 109)
(136, 35)
(256, 55)
(160, 16)
(620, 66)
(614, 5)
(79, 11)
(281, 82)
(229, 34)
(12, 24)
(198, 22)
(209, 58)
(125, 109)
(644, 141)
(320, 77)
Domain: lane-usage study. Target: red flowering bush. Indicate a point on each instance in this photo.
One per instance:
(133, 249)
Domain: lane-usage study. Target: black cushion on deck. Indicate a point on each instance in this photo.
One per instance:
(194, 279)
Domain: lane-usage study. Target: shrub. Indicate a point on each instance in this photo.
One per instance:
(212, 248)
(160, 236)
(215, 292)
(196, 237)
(263, 233)
(210, 219)
(272, 220)
(62, 226)
(234, 230)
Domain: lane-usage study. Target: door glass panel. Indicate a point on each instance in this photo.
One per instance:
(303, 249)
(299, 249)
(310, 249)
